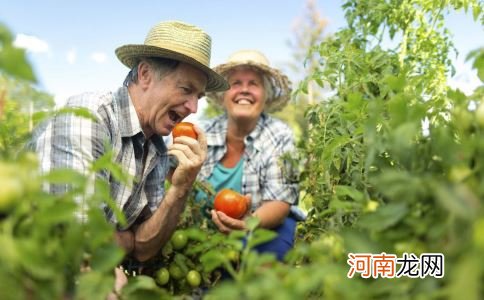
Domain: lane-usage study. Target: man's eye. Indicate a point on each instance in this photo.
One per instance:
(186, 90)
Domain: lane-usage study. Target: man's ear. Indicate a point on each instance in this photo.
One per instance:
(145, 73)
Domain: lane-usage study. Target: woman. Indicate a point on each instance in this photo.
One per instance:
(245, 146)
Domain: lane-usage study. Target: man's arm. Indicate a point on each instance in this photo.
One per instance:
(152, 234)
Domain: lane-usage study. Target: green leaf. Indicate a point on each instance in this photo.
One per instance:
(466, 277)
(212, 260)
(13, 60)
(384, 217)
(106, 258)
(346, 190)
(359, 242)
(56, 212)
(66, 176)
(252, 223)
(396, 83)
(34, 260)
(94, 285)
(456, 199)
(260, 236)
(142, 288)
(78, 112)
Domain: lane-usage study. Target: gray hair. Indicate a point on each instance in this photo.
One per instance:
(266, 81)
(161, 67)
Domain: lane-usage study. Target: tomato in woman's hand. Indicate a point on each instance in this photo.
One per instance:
(231, 203)
(184, 129)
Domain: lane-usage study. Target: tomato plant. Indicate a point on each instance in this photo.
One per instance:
(184, 129)
(231, 203)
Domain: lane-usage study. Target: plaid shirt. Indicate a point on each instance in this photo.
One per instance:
(68, 141)
(265, 175)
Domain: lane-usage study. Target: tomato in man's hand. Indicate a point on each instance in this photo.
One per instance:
(231, 203)
(184, 129)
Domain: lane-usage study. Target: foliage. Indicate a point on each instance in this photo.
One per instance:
(396, 156)
(393, 163)
(12, 59)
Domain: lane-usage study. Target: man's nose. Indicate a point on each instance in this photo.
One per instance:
(192, 105)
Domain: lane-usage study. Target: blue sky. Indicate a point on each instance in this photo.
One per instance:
(72, 43)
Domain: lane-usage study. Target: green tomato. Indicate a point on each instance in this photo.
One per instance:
(479, 233)
(232, 255)
(162, 276)
(179, 240)
(176, 272)
(462, 118)
(194, 278)
(12, 190)
(458, 173)
(371, 206)
(480, 114)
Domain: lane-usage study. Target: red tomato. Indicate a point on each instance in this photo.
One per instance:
(184, 129)
(231, 203)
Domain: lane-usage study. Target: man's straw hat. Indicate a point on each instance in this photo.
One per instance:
(179, 41)
(280, 84)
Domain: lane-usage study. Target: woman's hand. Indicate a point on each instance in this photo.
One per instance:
(226, 224)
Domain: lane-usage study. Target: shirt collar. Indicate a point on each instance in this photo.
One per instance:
(217, 136)
(128, 118)
(129, 121)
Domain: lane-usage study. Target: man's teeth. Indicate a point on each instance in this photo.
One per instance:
(174, 116)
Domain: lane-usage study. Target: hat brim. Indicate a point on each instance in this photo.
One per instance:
(281, 84)
(129, 55)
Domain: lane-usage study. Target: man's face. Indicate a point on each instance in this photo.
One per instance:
(168, 101)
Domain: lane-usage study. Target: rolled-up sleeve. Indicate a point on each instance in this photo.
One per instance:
(280, 181)
(71, 142)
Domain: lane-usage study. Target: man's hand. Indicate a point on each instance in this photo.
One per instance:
(190, 154)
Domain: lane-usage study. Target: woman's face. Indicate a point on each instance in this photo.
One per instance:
(245, 100)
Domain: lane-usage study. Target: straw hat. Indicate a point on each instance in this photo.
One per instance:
(280, 84)
(179, 41)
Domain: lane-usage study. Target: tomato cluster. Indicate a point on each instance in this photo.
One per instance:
(180, 271)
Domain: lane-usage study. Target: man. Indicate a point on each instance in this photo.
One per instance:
(169, 73)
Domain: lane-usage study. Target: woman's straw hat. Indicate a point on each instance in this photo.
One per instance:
(179, 41)
(280, 84)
